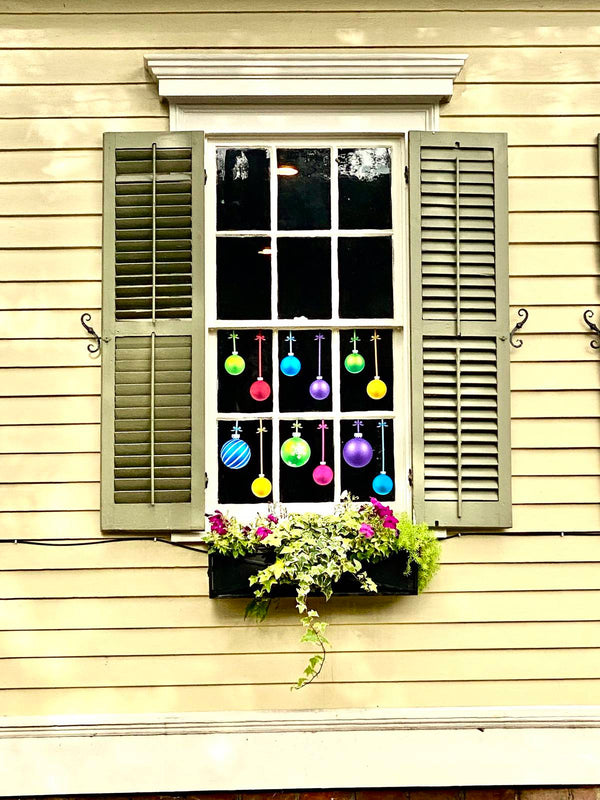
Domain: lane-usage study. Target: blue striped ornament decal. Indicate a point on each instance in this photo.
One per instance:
(235, 453)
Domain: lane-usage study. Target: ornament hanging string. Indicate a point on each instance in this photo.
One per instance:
(354, 339)
(233, 336)
(260, 432)
(382, 424)
(323, 428)
(260, 339)
(375, 338)
(291, 339)
(319, 338)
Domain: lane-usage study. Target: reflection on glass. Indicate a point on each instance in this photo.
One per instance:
(243, 199)
(304, 278)
(365, 276)
(365, 187)
(243, 278)
(303, 178)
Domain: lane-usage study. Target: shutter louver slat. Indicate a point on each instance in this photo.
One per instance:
(459, 324)
(153, 470)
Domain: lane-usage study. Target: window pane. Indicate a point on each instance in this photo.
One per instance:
(365, 274)
(243, 199)
(233, 392)
(243, 278)
(365, 188)
(359, 481)
(299, 392)
(303, 196)
(304, 278)
(297, 483)
(354, 384)
(235, 484)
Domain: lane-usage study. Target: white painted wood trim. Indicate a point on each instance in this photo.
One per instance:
(304, 77)
(336, 749)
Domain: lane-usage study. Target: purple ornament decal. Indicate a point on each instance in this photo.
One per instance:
(319, 388)
(357, 451)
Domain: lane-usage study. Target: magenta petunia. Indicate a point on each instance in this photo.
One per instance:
(390, 522)
(366, 530)
(262, 532)
(273, 519)
(217, 523)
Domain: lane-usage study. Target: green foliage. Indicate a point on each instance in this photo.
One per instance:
(312, 551)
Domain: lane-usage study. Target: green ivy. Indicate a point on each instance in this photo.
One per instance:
(312, 551)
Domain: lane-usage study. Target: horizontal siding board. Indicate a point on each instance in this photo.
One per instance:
(553, 290)
(445, 28)
(74, 100)
(526, 130)
(553, 194)
(50, 166)
(50, 439)
(566, 161)
(556, 404)
(550, 433)
(47, 324)
(557, 517)
(583, 461)
(555, 319)
(553, 347)
(554, 259)
(48, 352)
(70, 133)
(568, 226)
(50, 380)
(50, 468)
(562, 489)
(51, 264)
(348, 638)
(535, 376)
(49, 410)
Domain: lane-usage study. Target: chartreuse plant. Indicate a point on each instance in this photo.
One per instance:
(312, 551)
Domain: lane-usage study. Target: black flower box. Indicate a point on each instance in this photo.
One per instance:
(229, 577)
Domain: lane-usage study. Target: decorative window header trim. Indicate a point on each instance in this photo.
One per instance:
(305, 78)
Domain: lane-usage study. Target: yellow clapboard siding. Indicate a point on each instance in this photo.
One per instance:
(554, 259)
(557, 319)
(553, 194)
(30, 199)
(194, 581)
(556, 462)
(53, 467)
(83, 264)
(70, 133)
(484, 65)
(56, 294)
(36, 231)
(568, 226)
(527, 404)
(51, 165)
(48, 352)
(268, 696)
(50, 525)
(525, 130)
(532, 99)
(552, 347)
(518, 548)
(326, 29)
(49, 410)
(566, 375)
(50, 439)
(563, 489)
(554, 433)
(553, 290)
(49, 496)
(321, 695)
(533, 162)
(177, 612)
(50, 380)
(557, 517)
(54, 324)
(282, 668)
(103, 100)
(348, 638)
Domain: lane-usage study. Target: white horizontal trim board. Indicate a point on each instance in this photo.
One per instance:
(353, 748)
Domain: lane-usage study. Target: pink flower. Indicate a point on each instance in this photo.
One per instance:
(262, 533)
(272, 519)
(366, 530)
(390, 522)
(217, 523)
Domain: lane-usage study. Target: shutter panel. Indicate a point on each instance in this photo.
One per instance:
(459, 329)
(153, 317)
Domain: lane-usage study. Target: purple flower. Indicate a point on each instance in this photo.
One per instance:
(217, 523)
(272, 519)
(390, 522)
(382, 511)
(366, 530)
(262, 533)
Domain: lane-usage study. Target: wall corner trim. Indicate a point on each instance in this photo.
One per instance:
(250, 77)
(354, 748)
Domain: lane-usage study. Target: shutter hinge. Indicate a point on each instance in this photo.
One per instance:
(205, 177)
(206, 480)
(406, 174)
(410, 477)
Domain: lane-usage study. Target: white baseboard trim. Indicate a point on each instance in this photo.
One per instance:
(300, 750)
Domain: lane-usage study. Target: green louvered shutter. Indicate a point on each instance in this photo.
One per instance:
(459, 329)
(152, 315)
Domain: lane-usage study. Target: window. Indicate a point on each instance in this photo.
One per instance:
(451, 341)
(304, 266)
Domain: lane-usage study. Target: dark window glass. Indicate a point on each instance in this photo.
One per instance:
(365, 276)
(303, 196)
(235, 484)
(233, 391)
(304, 278)
(243, 278)
(365, 188)
(295, 390)
(353, 385)
(358, 481)
(243, 198)
(296, 483)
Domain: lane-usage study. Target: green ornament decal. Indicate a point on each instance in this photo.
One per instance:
(295, 452)
(234, 364)
(354, 363)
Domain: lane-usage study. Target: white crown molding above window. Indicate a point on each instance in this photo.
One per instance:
(238, 78)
